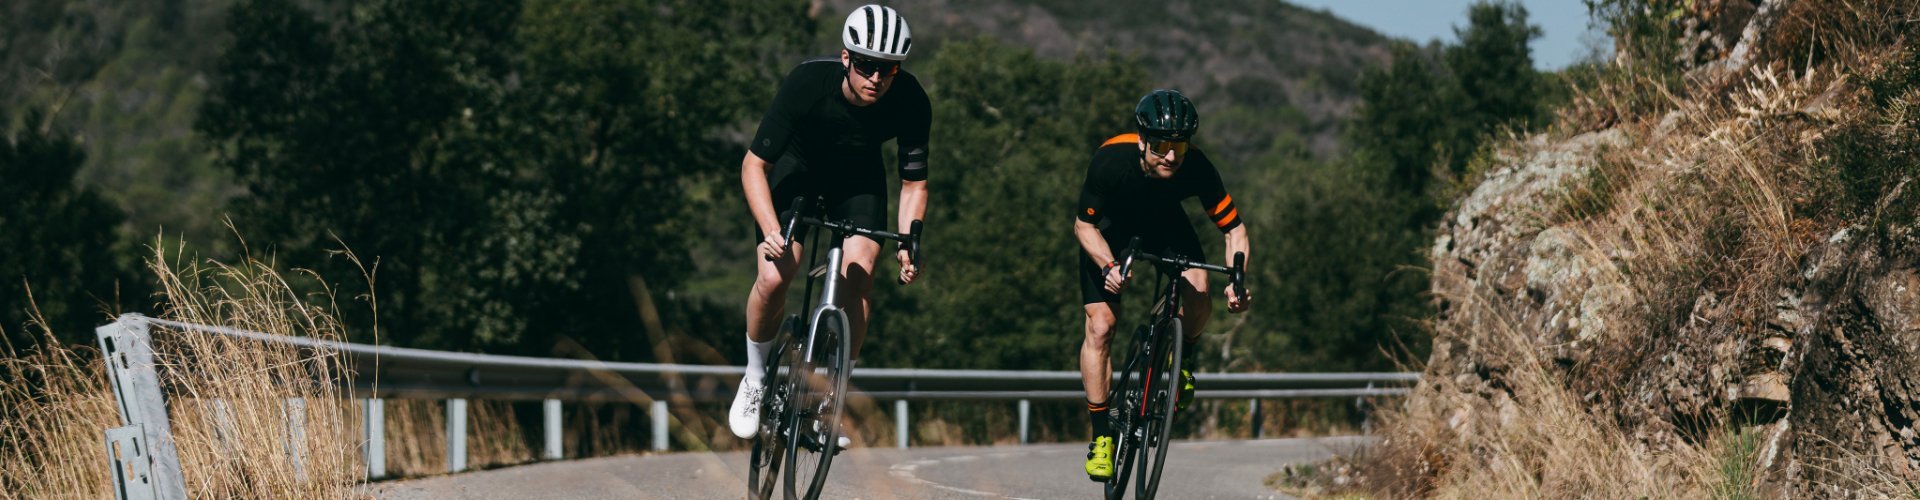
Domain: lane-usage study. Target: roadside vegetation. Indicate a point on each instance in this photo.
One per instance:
(1723, 184)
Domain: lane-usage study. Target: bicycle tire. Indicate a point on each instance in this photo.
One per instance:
(769, 448)
(816, 401)
(1125, 397)
(1161, 400)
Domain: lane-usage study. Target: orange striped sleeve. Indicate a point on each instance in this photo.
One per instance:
(1228, 220)
(1225, 201)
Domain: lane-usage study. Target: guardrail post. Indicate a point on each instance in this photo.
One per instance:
(141, 451)
(223, 427)
(900, 424)
(1366, 415)
(456, 435)
(1253, 416)
(551, 409)
(1026, 408)
(374, 424)
(659, 412)
(295, 409)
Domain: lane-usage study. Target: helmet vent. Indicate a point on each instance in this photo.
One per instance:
(869, 16)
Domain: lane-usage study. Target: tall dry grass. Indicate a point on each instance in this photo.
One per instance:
(54, 405)
(248, 420)
(252, 419)
(1534, 439)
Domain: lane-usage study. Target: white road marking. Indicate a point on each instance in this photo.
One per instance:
(905, 471)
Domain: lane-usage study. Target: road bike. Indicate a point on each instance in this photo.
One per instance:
(806, 378)
(1146, 392)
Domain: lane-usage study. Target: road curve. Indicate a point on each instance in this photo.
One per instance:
(1195, 469)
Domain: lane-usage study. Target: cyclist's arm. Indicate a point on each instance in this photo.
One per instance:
(1237, 243)
(753, 180)
(913, 203)
(800, 89)
(1092, 242)
(913, 151)
(1086, 218)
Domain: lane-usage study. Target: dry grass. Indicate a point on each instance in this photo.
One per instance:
(1535, 439)
(231, 403)
(235, 403)
(54, 404)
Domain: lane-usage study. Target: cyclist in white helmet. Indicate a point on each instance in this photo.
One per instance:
(821, 138)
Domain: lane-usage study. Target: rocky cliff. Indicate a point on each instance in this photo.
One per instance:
(1734, 272)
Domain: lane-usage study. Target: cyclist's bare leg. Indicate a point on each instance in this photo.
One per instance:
(1096, 371)
(1195, 305)
(768, 300)
(856, 285)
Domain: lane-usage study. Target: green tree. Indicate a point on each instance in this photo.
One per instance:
(517, 171)
(1338, 282)
(1494, 66)
(60, 239)
(1408, 112)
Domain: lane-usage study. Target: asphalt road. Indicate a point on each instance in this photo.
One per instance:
(1210, 469)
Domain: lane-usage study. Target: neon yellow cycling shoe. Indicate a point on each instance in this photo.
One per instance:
(1186, 389)
(1100, 459)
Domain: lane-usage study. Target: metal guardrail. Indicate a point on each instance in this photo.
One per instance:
(402, 372)
(407, 373)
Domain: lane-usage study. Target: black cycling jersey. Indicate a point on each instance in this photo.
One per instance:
(823, 146)
(1119, 197)
(812, 123)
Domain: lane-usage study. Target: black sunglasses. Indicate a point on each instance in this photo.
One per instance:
(866, 67)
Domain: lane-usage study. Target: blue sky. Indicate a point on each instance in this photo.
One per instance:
(1563, 23)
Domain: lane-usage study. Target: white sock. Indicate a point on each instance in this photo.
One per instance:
(757, 359)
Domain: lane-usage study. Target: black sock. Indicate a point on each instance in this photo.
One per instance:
(1102, 425)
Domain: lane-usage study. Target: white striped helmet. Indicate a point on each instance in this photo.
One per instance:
(878, 32)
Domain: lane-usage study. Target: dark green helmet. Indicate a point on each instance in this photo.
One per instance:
(1165, 114)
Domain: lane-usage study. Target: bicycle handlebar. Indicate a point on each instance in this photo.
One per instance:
(911, 240)
(1236, 275)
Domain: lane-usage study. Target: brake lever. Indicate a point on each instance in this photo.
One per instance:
(1126, 265)
(793, 222)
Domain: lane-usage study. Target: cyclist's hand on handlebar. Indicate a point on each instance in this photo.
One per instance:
(1116, 281)
(908, 271)
(1236, 302)
(773, 247)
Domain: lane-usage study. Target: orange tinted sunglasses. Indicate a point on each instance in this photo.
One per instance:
(1161, 147)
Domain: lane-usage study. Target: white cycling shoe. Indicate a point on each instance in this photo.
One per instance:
(744, 417)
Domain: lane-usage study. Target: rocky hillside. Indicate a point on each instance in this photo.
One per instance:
(1712, 293)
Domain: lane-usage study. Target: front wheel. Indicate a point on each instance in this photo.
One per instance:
(817, 397)
(1125, 396)
(769, 448)
(1158, 405)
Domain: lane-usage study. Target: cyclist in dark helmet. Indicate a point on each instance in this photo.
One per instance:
(821, 138)
(1133, 188)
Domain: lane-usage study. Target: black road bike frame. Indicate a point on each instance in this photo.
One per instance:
(1145, 396)
(799, 415)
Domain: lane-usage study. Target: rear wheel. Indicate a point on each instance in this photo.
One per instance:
(1162, 389)
(816, 399)
(769, 448)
